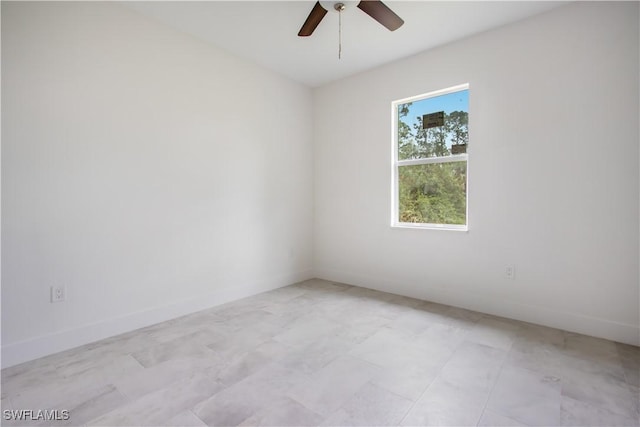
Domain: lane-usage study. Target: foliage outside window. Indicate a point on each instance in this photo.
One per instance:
(431, 138)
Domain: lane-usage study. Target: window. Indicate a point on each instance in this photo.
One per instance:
(430, 140)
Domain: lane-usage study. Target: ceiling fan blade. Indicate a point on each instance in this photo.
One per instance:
(381, 13)
(314, 18)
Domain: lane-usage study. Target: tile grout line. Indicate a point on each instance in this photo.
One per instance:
(413, 404)
(190, 410)
(434, 379)
(486, 402)
(624, 370)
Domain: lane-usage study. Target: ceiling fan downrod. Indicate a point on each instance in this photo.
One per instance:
(339, 7)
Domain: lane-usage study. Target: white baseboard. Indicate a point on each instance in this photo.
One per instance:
(23, 351)
(572, 322)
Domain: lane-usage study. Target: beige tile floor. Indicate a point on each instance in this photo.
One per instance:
(320, 353)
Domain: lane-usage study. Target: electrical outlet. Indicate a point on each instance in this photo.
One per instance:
(58, 293)
(510, 272)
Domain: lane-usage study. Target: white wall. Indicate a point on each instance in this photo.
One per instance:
(150, 173)
(553, 174)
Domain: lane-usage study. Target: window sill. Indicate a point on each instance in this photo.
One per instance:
(446, 227)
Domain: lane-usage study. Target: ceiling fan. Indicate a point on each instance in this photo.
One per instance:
(374, 8)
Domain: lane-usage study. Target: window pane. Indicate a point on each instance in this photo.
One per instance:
(434, 127)
(433, 193)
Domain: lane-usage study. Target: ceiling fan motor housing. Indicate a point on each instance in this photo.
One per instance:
(333, 5)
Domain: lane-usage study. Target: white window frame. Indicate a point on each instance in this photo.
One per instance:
(396, 164)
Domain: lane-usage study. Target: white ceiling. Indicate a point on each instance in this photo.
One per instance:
(266, 31)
